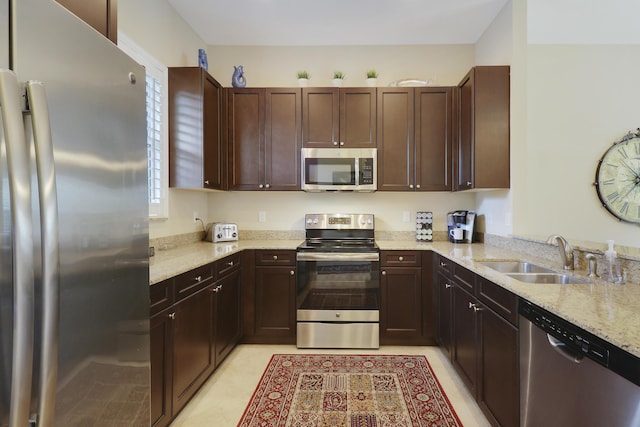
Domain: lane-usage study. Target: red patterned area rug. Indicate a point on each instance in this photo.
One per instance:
(345, 390)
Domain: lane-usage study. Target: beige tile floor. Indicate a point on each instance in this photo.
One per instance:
(222, 399)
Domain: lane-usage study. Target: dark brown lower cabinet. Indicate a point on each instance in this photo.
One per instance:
(275, 304)
(161, 331)
(191, 336)
(477, 328)
(192, 346)
(406, 315)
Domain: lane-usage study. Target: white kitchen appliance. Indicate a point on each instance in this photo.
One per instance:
(221, 232)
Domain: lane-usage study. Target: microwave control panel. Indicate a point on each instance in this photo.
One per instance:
(366, 170)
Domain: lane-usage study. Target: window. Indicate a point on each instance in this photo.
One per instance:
(157, 142)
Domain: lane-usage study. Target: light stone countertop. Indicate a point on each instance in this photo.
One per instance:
(609, 311)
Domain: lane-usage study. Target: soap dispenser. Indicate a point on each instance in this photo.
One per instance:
(614, 266)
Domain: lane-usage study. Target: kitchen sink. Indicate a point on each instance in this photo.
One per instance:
(515, 267)
(558, 278)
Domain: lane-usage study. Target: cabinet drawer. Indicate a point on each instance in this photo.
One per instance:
(160, 296)
(498, 299)
(463, 277)
(400, 258)
(275, 257)
(227, 265)
(443, 265)
(192, 281)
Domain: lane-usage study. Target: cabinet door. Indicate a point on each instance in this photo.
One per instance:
(214, 154)
(283, 139)
(443, 299)
(396, 165)
(276, 304)
(434, 129)
(498, 394)
(465, 331)
(226, 315)
(246, 138)
(357, 118)
(192, 355)
(464, 154)
(320, 117)
(102, 15)
(401, 314)
(161, 338)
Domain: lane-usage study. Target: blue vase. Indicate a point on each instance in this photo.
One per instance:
(202, 59)
(237, 79)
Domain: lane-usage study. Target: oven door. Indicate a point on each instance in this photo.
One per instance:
(338, 287)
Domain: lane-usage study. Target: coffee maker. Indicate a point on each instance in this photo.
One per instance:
(460, 226)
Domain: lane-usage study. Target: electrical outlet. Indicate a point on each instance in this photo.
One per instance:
(195, 217)
(262, 216)
(405, 216)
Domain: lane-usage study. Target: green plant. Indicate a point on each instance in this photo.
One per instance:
(304, 74)
(338, 75)
(372, 74)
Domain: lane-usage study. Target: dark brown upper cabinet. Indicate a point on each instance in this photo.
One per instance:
(339, 117)
(482, 152)
(265, 135)
(102, 15)
(196, 149)
(415, 134)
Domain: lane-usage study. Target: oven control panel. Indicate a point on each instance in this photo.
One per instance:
(339, 221)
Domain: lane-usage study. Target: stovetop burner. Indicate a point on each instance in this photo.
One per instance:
(339, 233)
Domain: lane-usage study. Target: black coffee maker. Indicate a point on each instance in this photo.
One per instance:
(460, 226)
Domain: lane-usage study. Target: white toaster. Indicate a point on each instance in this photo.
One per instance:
(221, 232)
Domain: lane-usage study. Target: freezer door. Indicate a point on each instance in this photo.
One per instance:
(96, 100)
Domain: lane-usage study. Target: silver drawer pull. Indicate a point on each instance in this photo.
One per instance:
(400, 258)
(291, 273)
(447, 285)
(230, 263)
(384, 273)
(197, 278)
(275, 257)
(443, 264)
(172, 316)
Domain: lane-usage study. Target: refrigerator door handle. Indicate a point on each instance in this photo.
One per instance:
(49, 226)
(23, 259)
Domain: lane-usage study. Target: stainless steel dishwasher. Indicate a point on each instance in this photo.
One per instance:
(569, 377)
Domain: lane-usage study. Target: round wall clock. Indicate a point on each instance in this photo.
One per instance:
(618, 178)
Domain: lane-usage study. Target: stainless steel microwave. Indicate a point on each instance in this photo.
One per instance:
(339, 169)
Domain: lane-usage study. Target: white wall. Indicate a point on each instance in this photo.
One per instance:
(581, 96)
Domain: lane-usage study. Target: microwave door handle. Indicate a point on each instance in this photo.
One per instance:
(49, 226)
(23, 259)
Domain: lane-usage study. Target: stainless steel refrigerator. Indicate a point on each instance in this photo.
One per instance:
(74, 281)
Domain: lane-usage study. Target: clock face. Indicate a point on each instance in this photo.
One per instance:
(618, 179)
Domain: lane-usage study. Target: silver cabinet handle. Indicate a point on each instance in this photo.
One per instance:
(49, 226)
(384, 273)
(260, 186)
(267, 186)
(341, 143)
(475, 307)
(206, 182)
(217, 288)
(443, 264)
(172, 316)
(23, 262)
(469, 183)
(400, 258)
(335, 142)
(410, 185)
(447, 285)
(417, 185)
(197, 278)
(275, 257)
(230, 263)
(291, 273)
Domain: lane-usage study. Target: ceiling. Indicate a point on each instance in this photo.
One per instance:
(338, 22)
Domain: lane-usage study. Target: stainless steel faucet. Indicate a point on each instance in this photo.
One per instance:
(566, 251)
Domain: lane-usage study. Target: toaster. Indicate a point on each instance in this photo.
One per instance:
(221, 232)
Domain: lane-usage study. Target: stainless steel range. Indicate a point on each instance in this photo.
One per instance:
(338, 284)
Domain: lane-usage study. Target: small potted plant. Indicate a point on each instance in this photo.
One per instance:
(303, 78)
(372, 78)
(338, 77)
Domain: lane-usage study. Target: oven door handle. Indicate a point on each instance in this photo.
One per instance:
(337, 256)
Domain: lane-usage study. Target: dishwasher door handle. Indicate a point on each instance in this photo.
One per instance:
(564, 350)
